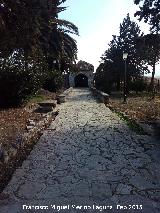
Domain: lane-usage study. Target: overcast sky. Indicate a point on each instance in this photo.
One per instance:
(97, 21)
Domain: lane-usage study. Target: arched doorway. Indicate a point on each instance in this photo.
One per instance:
(81, 80)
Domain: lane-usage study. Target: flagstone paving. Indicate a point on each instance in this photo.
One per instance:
(87, 161)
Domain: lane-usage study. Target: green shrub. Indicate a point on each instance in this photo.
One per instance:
(137, 85)
(54, 81)
(19, 78)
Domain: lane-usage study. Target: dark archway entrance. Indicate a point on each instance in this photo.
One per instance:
(81, 80)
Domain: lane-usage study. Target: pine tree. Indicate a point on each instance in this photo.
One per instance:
(129, 33)
(149, 49)
(114, 55)
(124, 42)
(149, 11)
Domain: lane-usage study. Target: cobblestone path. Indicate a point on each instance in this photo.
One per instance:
(87, 159)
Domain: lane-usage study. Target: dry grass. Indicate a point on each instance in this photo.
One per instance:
(13, 121)
(139, 107)
(13, 124)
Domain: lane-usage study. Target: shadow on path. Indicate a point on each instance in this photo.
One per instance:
(88, 157)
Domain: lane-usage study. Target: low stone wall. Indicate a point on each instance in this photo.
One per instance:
(67, 91)
(33, 132)
(103, 97)
(62, 97)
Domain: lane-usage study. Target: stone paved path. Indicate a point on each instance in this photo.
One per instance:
(87, 157)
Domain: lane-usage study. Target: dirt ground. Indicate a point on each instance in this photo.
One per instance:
(13, 121)
(139, 107)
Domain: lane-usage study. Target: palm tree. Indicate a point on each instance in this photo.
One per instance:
(62, 47)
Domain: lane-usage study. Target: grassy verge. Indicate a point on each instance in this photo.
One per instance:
(132, 124)
(37, 98)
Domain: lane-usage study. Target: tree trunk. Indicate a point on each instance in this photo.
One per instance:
(118, 83)
(26, 60)
(152, 81)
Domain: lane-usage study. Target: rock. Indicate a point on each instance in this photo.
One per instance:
(30, 189)
(155, 154)
(44, 109)
(66, 92)
(32, 123)
(80, 189)
(19, 142)
(55, 113)
(61, 99)
(12, 151)
(48, 103)
(123, 189)
(6, 157)
(30, 120)
(140, 183)
(101, 190)
(148, 129)
(29, 127)
(1, 154)
(46, 106)
(4, 196)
